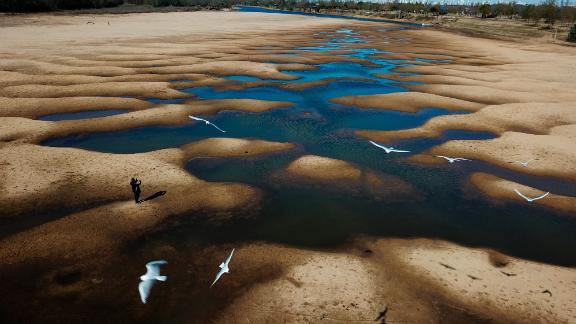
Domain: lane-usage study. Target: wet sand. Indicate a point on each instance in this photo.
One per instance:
(62, 64)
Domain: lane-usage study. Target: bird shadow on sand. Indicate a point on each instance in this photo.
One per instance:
(155, 195)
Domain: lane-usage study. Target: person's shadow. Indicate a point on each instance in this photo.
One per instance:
(155, 195)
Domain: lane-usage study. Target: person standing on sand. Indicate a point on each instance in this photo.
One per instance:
(135, 183)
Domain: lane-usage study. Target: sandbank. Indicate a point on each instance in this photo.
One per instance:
(502, 189)
(407, 101)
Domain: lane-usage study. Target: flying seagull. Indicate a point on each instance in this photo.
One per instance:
(148, 279)
(223, 268)
(450, 159)
(388, 150)
(525, 163)
(207, 123)
(530, 199)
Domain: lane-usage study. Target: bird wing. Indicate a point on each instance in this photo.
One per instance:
(521, 195)
(442, 156)
(378, 145)
(200, 119)
(399, 151)
(218, 128)
(461, 159)
(218, 275)
(544, 195)
(153, 268)
(144, 288)
(230, 256)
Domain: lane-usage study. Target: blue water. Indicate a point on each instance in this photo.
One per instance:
(82, 114)
(165, 101)
(334, 70)
(317, 215)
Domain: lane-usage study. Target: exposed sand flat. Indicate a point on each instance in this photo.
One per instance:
(407, 101)
(347, 286)
(409, 56)
(224, 147)
(313, 287)
(29, 188)
(260, 70)
(63, 29)
(221, 84)
(488, 95)
(537, 118)
(477, 281)
(32, 183)
(553, 155)
(342, 175)
(8, 78)
(323, 168)
(36, 67)
(160, 90)
(35, 107)
(498, 188)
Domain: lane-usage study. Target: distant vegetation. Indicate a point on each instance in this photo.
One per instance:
(51, 5)
(572, 34)
(549, 11)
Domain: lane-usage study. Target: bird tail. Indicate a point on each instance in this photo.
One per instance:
(161, 278)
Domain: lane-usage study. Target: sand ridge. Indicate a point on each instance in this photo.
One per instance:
(498, 188)
(339, 175)
(482, 281)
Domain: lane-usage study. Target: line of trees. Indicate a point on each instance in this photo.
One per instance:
(549, 10)
(51, 5)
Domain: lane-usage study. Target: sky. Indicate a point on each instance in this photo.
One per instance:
(572, 2)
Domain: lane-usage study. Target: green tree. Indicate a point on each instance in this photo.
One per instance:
(486, 10)
(572, 34)
(548, 11)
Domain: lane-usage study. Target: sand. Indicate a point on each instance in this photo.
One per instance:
(38, 180)
(407, 101)
(332, 174)
(501, 189)
(323, 168)
(552, 154)
(322, 286)
(416, 279)
(478, 279)
(226, 147)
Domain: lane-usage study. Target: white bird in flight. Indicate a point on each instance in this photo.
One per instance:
(525, 164)
(207, 123)
(388, 149)
(223, 268)
(150, 278)
(530, 199)
(450, 159)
